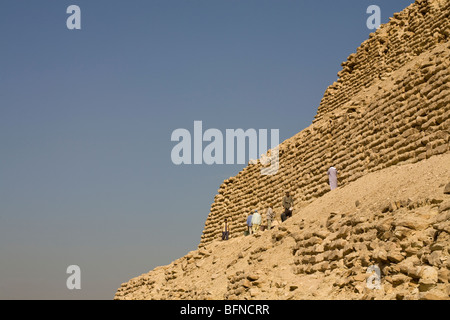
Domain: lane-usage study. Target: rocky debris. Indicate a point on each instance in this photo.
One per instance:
(447, 189)
(407, 245)
(243, 285)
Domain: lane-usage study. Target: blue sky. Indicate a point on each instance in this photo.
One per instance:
(86, 117)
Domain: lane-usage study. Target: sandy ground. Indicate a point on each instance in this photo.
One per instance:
(263, 266)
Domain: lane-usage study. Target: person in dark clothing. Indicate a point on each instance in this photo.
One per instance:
(225, 230)
(286, 214)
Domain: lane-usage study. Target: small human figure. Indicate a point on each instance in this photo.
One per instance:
(332, 177)
(288, 204)
(256, 222)
(225, 229)
(249, 223)
(270, 216)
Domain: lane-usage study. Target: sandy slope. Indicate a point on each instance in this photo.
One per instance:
(324, 250)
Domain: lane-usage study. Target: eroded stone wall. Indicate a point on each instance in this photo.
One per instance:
(389, 106)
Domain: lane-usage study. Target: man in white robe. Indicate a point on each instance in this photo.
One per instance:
(332, 177)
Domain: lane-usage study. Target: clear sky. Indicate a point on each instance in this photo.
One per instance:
(86, 117)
